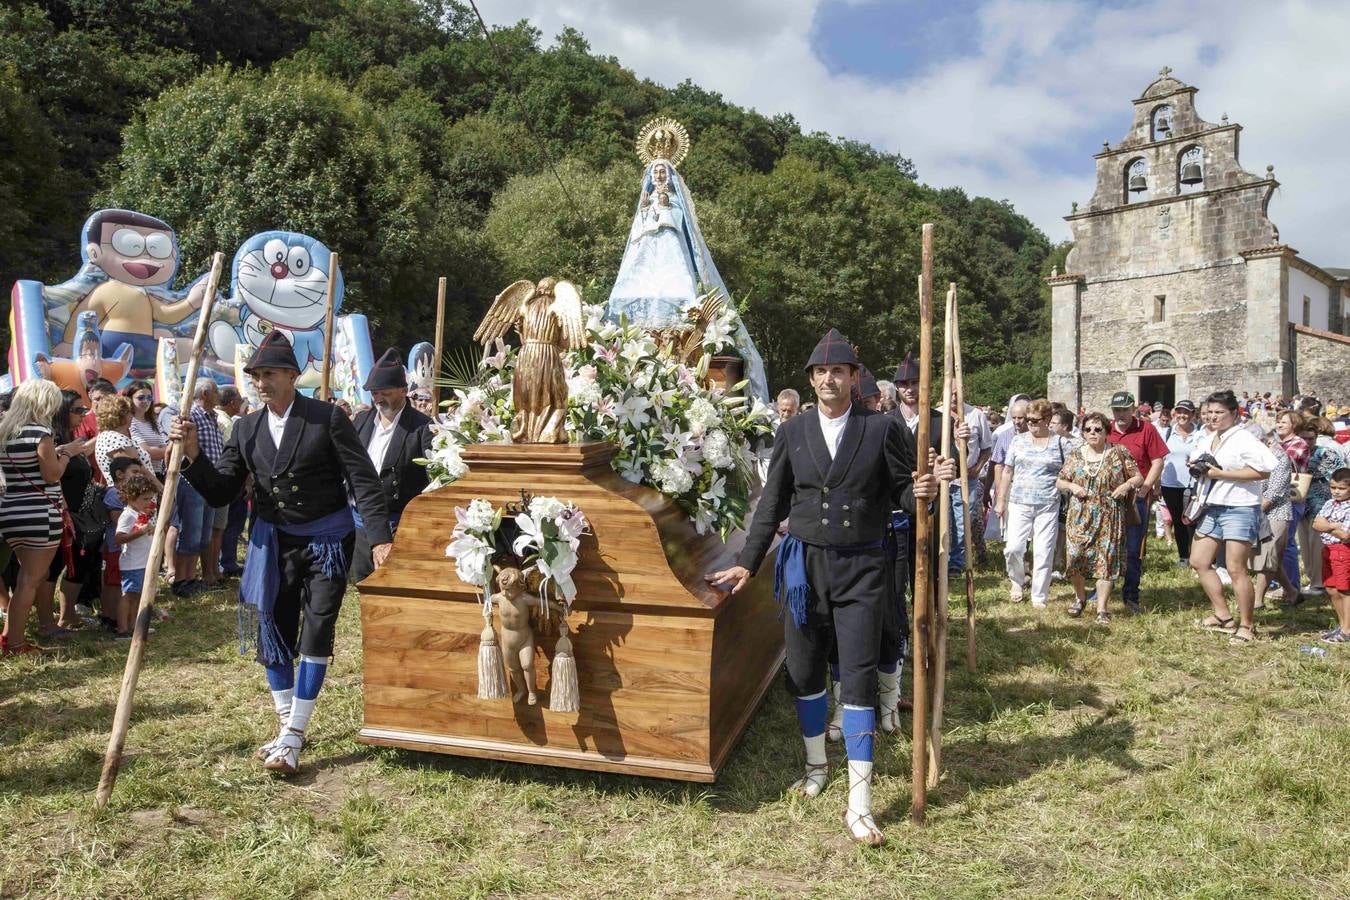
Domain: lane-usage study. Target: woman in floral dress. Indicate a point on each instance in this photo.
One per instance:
(1097, 477)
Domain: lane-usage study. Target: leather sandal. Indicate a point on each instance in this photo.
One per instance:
(873, 838)
(1216, 624)
(815, 774)
(285, 756)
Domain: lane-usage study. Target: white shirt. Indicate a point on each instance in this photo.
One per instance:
(981, 435)
(277, 423)
(135, 552)
(833, 429)
(380, 436)
(1237, 449)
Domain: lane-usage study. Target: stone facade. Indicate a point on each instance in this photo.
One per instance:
(1320, 357)
(1174, 289)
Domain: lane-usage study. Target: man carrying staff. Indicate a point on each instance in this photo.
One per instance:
(394, 435)
(836, 473)
(305, 458)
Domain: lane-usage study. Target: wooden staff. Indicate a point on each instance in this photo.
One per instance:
(440, 347)
(112, 759)
(330, 316)
(919, 782)
(961, 450)
(944, 555)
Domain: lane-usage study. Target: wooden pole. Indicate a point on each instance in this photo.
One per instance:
(440, 347)
(960, 402)
(330, 316)
(112, 759)
(919, 782)
(939, 676)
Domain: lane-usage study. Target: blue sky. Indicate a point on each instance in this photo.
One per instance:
(1010, 98)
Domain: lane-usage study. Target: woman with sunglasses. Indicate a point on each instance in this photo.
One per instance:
(1028, 502)
(1229, 465)
(144, 429)
(1098, 477)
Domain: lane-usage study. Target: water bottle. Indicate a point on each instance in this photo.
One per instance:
(1312, 650)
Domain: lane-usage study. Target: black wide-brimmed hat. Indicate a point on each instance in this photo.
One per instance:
(908, 370)
(867, 384)
(275, 352)
(388, 372)
(833, 350)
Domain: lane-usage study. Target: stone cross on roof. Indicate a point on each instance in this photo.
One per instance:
(1165, 71)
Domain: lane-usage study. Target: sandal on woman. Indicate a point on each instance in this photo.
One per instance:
(1240, 638)
(1216, 624)
(1077, 606)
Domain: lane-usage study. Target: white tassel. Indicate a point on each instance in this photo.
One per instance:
(491, 671)
(564, 692)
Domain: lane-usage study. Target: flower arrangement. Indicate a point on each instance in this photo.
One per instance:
(691, 443)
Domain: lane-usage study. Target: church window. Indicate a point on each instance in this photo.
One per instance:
(1158, 359)
(1191, 170)
(1162, 123)
(1136, 181)
(1160, 308)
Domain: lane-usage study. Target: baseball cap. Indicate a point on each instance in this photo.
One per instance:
(1122, 399)
(1185, 406)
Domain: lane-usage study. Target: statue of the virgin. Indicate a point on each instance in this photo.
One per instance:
(666, 267)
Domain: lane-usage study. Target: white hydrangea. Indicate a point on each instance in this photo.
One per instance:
(480, 516)
(545, 508)
(583, 392)
(702, 415)
(717, 449)
(671, 477)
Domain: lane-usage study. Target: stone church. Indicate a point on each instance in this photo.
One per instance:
(1178, 283)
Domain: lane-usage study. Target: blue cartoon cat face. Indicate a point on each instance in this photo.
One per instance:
(283, 277)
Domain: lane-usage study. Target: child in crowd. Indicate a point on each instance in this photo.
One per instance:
(1333, 523)
(111, 594)
(135, 527)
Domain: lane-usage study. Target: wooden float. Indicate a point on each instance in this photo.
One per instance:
(670, 670)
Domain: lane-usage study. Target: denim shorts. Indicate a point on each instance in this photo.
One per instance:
(132, 581)
(193, 518)
(1230, 523)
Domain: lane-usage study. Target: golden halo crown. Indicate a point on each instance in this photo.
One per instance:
(662, 138)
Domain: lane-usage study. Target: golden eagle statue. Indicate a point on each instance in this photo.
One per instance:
(550, 322)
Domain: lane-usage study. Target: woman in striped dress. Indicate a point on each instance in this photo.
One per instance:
(32, 507)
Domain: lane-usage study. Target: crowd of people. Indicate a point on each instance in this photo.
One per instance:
(82, 479)
(1245, 489)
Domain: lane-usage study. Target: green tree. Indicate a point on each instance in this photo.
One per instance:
(233, 153)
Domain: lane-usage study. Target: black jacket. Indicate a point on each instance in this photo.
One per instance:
(400, 477)
(306, 478)
(839, 502)
(934, 428)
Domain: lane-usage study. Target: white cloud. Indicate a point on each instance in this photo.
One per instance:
(1045, 74)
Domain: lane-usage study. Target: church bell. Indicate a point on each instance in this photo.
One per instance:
(1190, 174)
(1138, 184)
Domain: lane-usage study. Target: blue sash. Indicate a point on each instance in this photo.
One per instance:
(261, 580)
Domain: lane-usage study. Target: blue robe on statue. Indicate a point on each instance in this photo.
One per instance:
(666, 267)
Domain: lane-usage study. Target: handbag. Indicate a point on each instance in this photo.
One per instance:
(1194, 502)
(1301, 484)
(1132, 518)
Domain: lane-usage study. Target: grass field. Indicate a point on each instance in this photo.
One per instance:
(1142, 759)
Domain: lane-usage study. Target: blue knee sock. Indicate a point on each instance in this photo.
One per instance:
(888, 667)
(859, 724)
(811, 713)
(281, 679)
(307, 684)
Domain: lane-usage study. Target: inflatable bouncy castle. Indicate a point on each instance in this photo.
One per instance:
(120, 318)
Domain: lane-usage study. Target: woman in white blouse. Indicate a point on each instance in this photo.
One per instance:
(1230, 465)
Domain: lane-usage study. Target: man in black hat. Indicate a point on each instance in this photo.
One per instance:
(394, 435)
(305, 458)
(836, 473)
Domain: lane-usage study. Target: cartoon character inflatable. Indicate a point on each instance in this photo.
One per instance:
(279, 279)
(128, 264)
(421, 366)
(79, 373)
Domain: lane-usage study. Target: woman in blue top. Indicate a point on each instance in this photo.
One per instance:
(1180, 437)
(1028, 502)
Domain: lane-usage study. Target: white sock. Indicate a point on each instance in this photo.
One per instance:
(888, 691)
(860, 788)
(813, 782)
(281, 701)
(301, 710)
(815, 750)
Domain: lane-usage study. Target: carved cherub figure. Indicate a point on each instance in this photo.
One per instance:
(517, 605)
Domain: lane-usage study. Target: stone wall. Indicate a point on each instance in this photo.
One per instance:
(1322, 361)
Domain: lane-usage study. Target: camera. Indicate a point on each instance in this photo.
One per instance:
(1200, 466)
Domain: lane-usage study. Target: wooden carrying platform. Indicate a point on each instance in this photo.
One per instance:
(670, 670)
